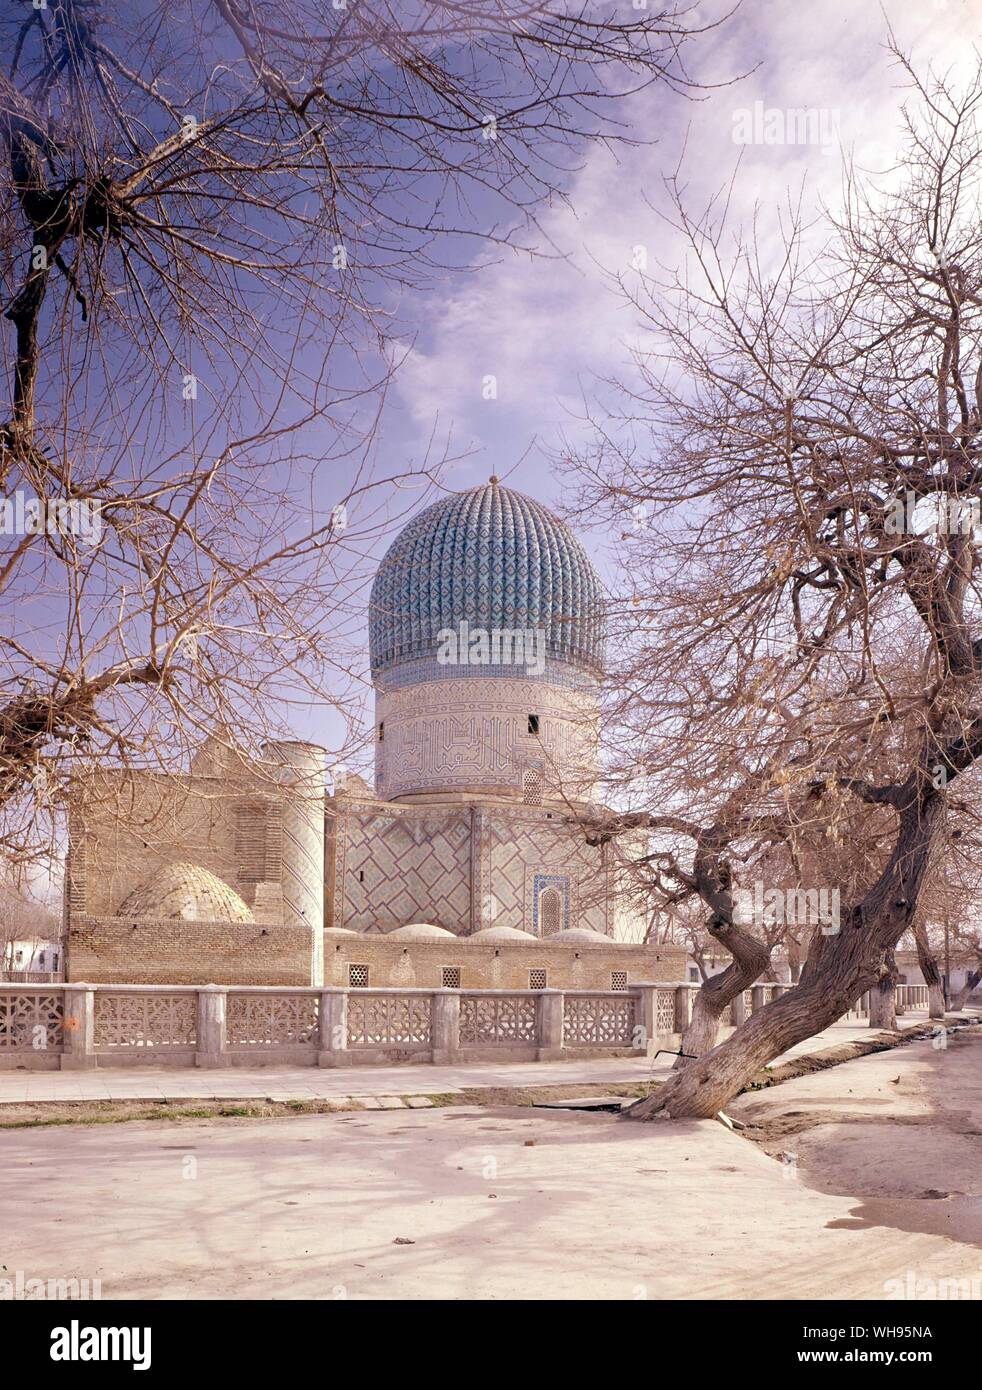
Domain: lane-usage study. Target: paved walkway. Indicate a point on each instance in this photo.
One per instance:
(390, 1085)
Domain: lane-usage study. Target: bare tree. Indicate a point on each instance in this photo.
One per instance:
(805, 443)
(950, 930)
(214, 214)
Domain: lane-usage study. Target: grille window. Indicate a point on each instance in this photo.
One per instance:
(532, 788)
(358, 976)
(451, 977)
(550, 912)
(537, 979)
(618, 979)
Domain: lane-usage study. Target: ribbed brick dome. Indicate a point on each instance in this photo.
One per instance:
(188, 893)
(494, 559)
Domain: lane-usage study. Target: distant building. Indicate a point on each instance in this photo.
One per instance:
(33, 957)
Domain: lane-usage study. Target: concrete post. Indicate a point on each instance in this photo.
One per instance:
(79, 1028)
(738, 1010)
(759, 997)
(210, 1050)
(646, 1016)
(550, 1009)
(445, 1025)
(333, 1036)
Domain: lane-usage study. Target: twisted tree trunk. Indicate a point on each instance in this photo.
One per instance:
(839, 969)
(750, 959)
(971, 980)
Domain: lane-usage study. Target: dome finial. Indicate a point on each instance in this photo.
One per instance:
(493, 478)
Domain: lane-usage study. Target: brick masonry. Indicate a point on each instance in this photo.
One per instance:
(118, 951)
(111, 950)
(497, 965)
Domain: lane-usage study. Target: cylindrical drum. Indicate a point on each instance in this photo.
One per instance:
(301, 772)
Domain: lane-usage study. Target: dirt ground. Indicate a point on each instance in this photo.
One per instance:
(904, 1136)
(877, 1193)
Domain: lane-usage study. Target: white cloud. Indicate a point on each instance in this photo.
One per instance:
(542, 328)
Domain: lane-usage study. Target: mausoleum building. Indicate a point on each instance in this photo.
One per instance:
(467, 864)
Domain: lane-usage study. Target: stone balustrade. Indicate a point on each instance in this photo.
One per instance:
(753, 999)
(914, 997)
(909, 997)
(75, 1026)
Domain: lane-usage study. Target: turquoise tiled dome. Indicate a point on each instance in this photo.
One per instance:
(492, 558)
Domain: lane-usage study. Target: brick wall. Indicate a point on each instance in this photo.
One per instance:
(119, 951)
(502, 965)
(126, 827)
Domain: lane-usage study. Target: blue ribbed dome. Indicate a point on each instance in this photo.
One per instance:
(492, 558)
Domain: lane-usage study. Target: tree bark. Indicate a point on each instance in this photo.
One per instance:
(794, 958)
(883, 996)
(929, 969)
(750, 960)
(971, 980)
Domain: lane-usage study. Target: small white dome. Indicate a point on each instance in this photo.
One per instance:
(584, 934)
(339, 931)
(501, 933)
(421, 931)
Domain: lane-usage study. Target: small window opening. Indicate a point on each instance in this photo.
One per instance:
(533, 723)
(532, 788)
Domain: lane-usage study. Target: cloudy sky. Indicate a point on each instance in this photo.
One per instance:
(546, 329)
(549, 329)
